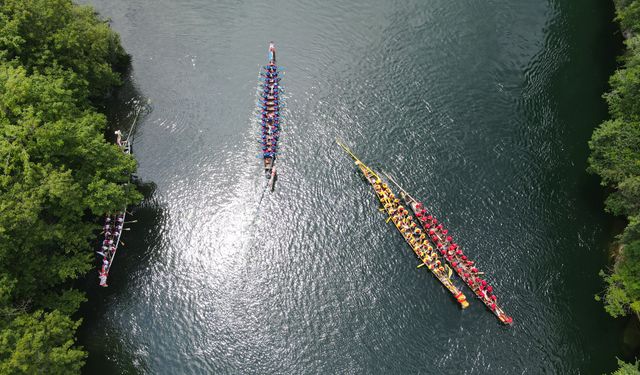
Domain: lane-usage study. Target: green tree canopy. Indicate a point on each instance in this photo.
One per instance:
(623, 285)
(58, 172)
(615, 156)
(42, 34)
(40, 343)
(627, 368)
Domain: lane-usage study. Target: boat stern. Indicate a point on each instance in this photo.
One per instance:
(272, 53)
(505, 319)
(462, 300)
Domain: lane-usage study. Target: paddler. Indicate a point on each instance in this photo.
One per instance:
(103, 278)
(489, 289)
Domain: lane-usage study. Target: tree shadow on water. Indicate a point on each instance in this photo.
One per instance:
(100, 333)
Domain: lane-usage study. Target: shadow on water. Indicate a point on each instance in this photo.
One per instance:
(108, 352)
(580, 113)
(96, 334)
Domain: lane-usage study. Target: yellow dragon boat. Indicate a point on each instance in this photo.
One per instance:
(409, 230)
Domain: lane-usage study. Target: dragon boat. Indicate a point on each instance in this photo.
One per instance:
(269, 105)
(453, 254)
(409, 230)
(113, 227)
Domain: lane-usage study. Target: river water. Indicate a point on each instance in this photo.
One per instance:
(482, 109)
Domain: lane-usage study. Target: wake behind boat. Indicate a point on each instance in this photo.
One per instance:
(269, 106)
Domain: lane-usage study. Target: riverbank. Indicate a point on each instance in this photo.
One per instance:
(58, 63)
(615, 155)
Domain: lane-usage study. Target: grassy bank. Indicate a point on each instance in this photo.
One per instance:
(57, 60)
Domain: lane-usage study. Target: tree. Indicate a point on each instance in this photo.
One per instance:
(42, 34)
(627, 368)
(40, 343)
(615, 151)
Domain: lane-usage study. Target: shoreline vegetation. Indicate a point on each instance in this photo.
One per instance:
(615, 157)
(58, 62)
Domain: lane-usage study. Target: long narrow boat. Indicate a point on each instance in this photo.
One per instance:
(269, 106)
(464, 267)
(408, 229)
(113, 226)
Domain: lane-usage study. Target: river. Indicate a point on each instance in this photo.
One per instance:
(482, 109)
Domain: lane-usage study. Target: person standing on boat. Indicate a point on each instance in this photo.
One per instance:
(105, 265)
(118, 134)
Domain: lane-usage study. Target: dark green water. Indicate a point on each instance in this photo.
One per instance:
(480, 108)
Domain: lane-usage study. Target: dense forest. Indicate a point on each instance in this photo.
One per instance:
(615, 156)
(57, 62)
